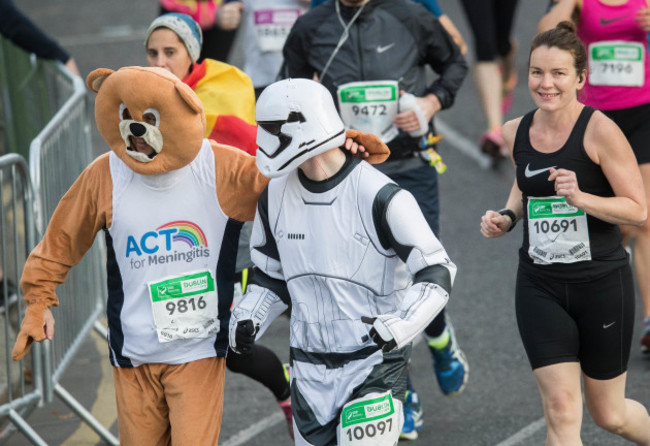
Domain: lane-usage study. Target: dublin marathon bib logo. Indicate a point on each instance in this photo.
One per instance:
(167, 244)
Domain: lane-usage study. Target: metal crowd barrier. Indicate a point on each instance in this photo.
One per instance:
(22, 383)
(44, 104)
(59, 153)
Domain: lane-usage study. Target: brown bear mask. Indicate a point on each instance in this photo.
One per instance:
(138, 109)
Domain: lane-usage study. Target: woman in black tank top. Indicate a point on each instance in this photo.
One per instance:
(576, 180)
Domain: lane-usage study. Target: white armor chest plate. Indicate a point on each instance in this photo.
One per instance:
(332, 261)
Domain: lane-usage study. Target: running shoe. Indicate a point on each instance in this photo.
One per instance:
(645, 336)
(413, 422)
(449, 363)
(492, 143)
(288, 415)
(285, 405)
(12, 295)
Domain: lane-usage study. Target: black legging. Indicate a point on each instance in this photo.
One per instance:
(437, 325)
(491, 23)
(262, 365)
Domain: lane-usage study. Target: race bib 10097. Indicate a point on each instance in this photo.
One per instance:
(370, 421)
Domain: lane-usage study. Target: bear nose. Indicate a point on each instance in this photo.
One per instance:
(137, 129)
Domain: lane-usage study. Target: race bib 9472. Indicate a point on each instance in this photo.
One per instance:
(370, 106)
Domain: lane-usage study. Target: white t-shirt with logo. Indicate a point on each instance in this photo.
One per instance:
(166, 233)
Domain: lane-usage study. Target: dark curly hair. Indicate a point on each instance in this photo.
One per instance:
(564, 37)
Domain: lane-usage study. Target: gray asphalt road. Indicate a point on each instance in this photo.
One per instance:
(500, 406)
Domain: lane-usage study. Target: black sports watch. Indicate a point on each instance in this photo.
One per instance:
(513, 217)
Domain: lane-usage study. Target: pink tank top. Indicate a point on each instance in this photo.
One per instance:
(617, 49)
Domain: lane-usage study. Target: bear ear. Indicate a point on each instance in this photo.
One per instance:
(97, 77)
(190, 98)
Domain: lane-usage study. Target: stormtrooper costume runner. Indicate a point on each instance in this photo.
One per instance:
(335, 249)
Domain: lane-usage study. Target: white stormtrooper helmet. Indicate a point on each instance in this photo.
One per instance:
(296, 120)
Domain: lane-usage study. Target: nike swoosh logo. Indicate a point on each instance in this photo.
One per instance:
(531, 173)
(608, 21)
(606, 326)
(381, 49)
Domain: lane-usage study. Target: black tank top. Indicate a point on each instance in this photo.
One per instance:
(532, 166)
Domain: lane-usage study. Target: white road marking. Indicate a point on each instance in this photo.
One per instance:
(463, 144)
(524, 433)
(253, 430)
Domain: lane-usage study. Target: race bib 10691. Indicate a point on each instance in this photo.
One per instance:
(557, 231)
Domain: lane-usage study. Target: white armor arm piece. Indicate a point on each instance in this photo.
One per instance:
(260, 305)
(266, 293)
(433, 273)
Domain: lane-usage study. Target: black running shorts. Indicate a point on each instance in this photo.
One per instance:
(635, 124)
(586, 322)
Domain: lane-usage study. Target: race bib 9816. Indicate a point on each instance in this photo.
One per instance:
(185, 306)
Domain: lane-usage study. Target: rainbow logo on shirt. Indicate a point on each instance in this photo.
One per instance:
(167, 239)
(187, 232)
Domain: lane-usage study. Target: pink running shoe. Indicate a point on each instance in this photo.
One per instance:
(288, 415)
(492, 142)
(285, 405)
